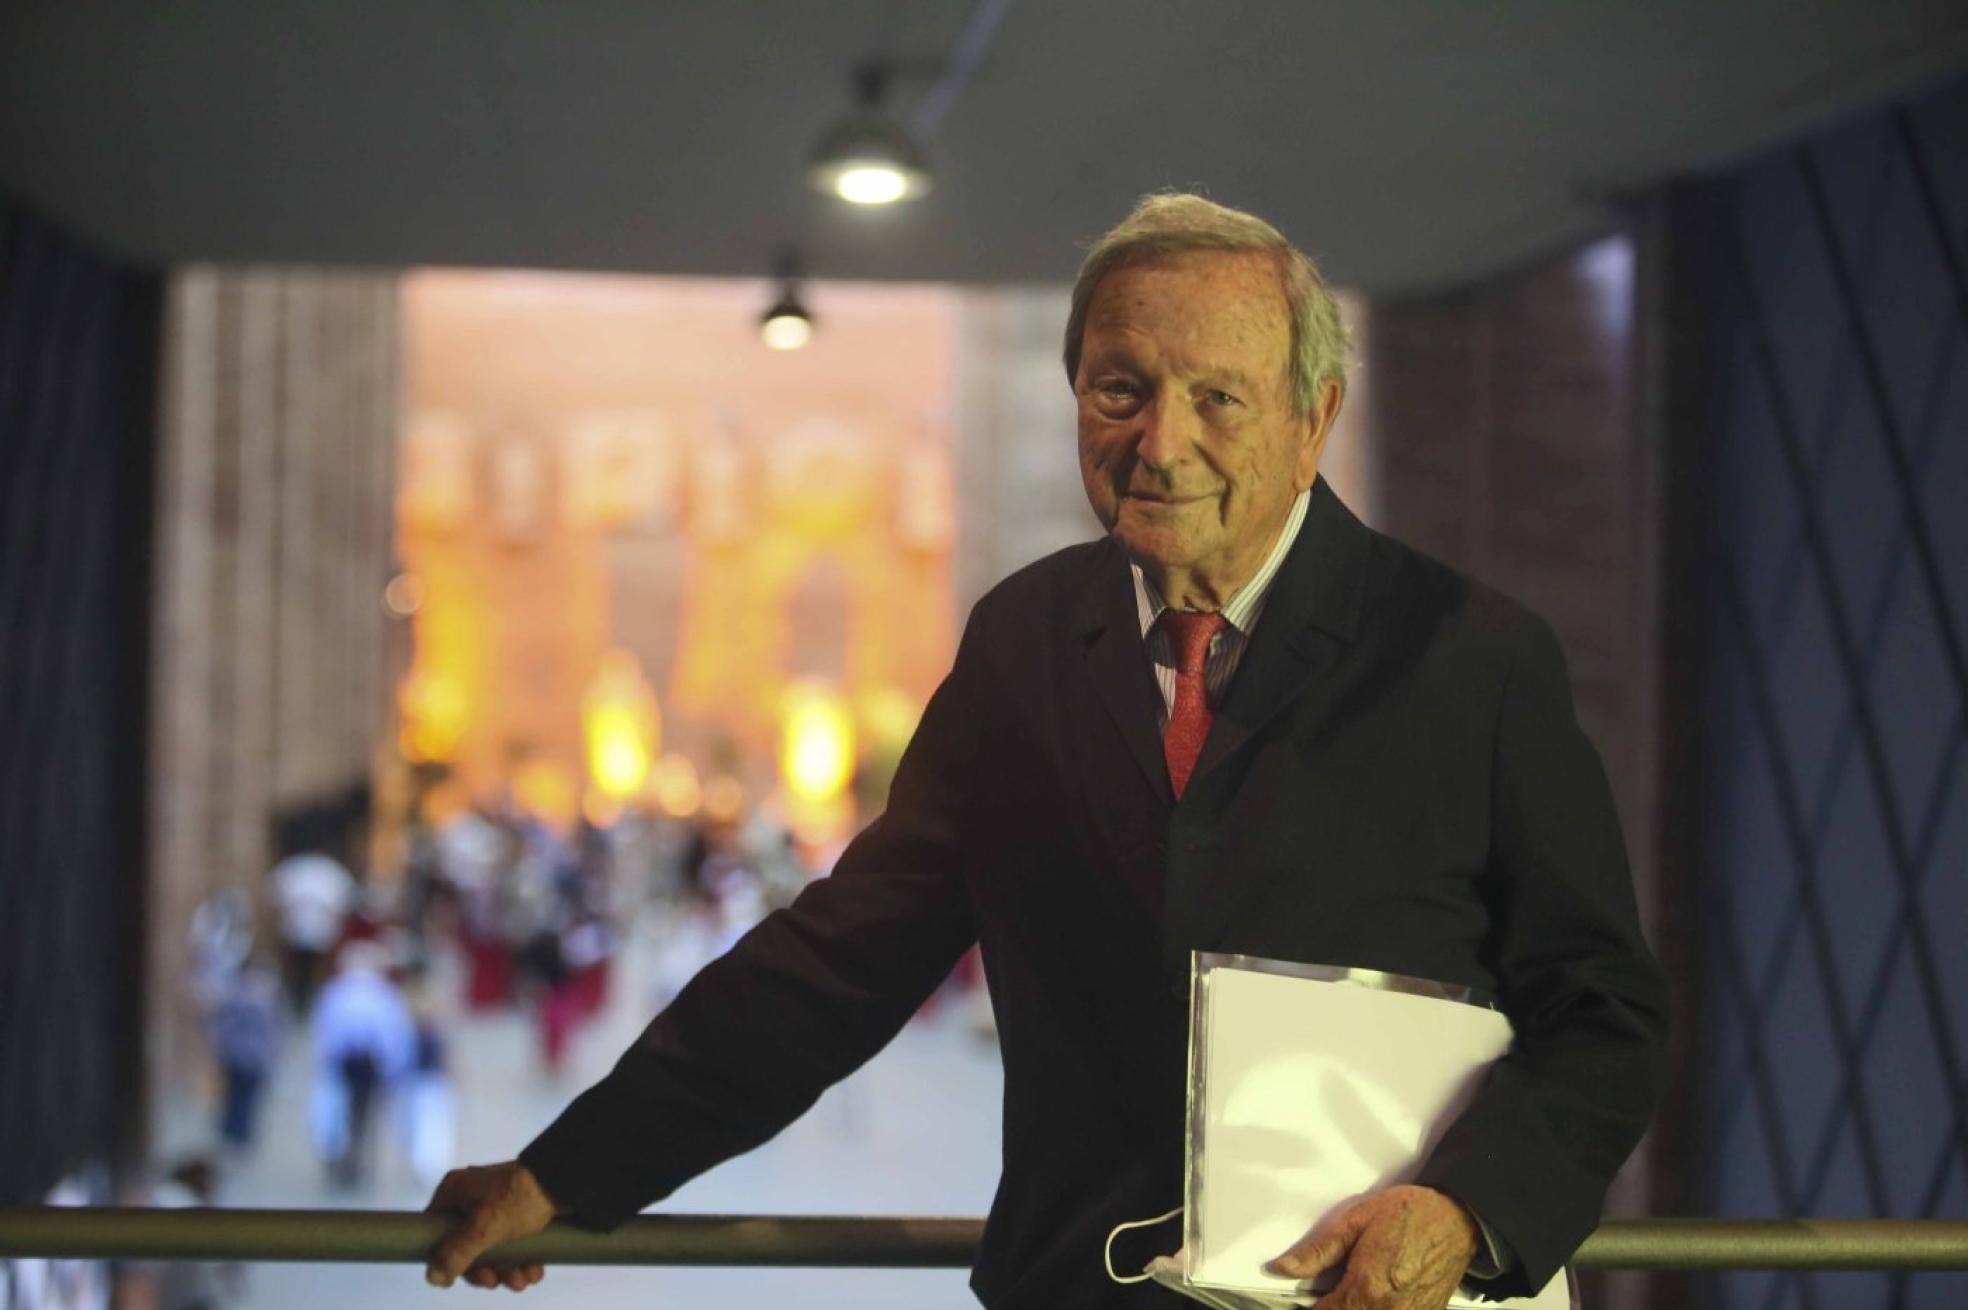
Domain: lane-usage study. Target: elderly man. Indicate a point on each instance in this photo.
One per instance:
(1241, 722)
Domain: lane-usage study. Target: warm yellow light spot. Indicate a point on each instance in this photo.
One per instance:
(620, 725)
(441, 697)
(816, 749)
(616, 756)
(435, 715)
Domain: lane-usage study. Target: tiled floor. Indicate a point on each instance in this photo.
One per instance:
(915, 1132)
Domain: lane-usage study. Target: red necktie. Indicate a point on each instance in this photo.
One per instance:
(1189, 634)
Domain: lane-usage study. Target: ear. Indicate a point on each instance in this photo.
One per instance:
(1318, 426)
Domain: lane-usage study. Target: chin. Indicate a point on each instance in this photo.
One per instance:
(1154, 544)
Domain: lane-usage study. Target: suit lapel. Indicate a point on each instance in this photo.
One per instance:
(1273, 674)
(1310, 618)
(1312, 612)
(1118, 666)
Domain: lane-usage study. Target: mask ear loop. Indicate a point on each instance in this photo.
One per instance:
(1108, 1253)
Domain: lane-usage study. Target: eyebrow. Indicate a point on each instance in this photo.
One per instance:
(1114, 357)
(1236, 380)
(1121, 359)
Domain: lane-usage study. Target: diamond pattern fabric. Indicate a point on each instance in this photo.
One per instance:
(1836, 886)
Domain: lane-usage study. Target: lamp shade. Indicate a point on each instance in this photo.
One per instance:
(787, 325)
(868, 160)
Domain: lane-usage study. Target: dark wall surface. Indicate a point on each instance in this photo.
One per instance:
(1822, 450)
(1729, 460)
(1503, 426)
(1503, 432)
(78, 349)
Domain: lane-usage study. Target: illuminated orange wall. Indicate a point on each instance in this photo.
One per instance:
(602, 462)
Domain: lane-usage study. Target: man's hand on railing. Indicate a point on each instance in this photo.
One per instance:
(488, 1204)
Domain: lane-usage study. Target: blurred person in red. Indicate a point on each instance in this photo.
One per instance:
(476, 856)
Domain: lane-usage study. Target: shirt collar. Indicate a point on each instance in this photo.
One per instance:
(1247, 602)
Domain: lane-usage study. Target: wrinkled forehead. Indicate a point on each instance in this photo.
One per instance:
(1212, 303)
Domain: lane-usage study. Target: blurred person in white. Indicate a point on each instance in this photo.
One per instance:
(313, 893)
(364, 1041)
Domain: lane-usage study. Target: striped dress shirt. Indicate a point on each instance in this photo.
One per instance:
(1241, 613)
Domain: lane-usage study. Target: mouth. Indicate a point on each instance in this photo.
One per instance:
(1164, 497)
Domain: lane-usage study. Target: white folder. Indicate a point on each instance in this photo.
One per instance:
(1309, 1086)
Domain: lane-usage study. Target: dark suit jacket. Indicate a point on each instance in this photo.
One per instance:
(1394, 780)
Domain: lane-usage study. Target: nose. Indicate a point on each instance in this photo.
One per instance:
(1169, 428)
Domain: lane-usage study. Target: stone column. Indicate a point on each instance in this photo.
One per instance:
(275, 532)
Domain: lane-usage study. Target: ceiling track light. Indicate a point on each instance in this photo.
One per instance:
(787, 324)
(869, 158)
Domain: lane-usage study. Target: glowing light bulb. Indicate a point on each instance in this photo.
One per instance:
(871, 184)
(787, 331)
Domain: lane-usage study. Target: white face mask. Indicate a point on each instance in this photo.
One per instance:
(1137, 1223)
(1171, 1271)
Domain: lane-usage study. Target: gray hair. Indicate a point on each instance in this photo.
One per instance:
(1168, 223)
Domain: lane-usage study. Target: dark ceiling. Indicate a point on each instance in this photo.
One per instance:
(1408, 143)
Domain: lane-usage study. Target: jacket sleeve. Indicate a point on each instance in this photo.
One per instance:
(1558, 1115)
(797, 1004)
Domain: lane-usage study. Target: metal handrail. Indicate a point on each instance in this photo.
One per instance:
(396, 1237)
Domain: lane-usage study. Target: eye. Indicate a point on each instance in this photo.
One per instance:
(1116, 397)
(1220, 398)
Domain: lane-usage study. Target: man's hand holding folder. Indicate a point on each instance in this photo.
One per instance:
(1404, 1248)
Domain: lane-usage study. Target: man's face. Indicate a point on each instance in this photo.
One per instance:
(1189, 449)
